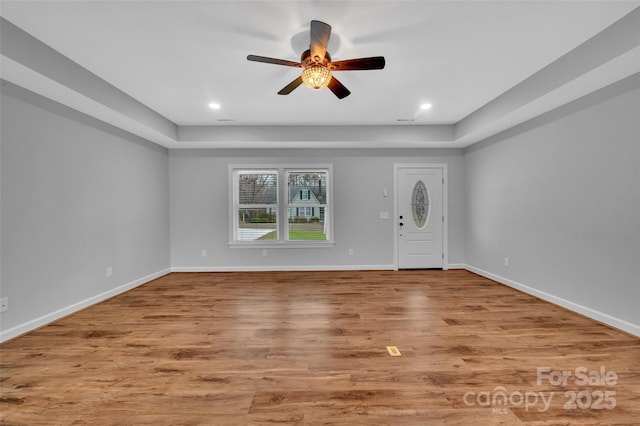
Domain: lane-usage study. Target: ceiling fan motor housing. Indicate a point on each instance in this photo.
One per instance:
(308, 61)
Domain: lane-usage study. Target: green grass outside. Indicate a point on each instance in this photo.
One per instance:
(295, 234)
(270, 236)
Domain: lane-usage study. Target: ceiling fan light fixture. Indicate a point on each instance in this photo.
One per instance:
(316, 76)
(317, 64)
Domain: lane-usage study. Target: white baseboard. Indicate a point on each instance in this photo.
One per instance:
(614, 322)
(456, 266)
(269, 268)
(53, 316)
(297, 268)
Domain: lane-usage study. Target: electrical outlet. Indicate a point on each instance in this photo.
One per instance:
(506, 261)
(350, 252)
(203, 253)
(264, 252)
(109, 271)
(4, 304)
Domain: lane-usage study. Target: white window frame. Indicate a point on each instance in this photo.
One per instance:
(282, 205)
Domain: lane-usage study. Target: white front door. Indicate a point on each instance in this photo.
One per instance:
(419, 219)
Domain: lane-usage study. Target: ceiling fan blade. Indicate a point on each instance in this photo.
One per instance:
(373, 63)
(338, 88)
(289, 87)
(275, 61)
(320, 33)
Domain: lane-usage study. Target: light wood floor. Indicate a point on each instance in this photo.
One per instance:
(310, 348)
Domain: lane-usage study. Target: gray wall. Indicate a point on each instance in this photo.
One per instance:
(560, 196)
(200, 216)
(78, 196)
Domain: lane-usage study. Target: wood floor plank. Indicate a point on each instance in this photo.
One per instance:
(309, 348)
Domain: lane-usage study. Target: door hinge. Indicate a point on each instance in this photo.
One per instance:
(443, 219)
(443, 181)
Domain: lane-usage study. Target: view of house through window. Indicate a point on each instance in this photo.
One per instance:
(307, 195)
(259, 214)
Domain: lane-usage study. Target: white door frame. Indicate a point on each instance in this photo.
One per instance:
(445, 210)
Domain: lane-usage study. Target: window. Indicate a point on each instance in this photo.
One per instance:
(420, 205)
(257, 205)
(281, 206)
(307, 217)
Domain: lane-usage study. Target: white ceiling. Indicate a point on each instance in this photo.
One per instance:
(176, 57)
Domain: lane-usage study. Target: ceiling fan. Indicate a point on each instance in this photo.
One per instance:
(318, 66)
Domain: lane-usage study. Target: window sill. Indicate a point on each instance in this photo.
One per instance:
(281, 244)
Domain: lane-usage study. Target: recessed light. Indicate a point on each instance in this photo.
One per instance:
(214, 105)
(425, 106)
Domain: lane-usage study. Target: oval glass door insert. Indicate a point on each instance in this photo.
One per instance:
(420, 205)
